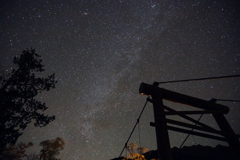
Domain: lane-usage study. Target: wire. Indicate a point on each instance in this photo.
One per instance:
(194, 140)
(134, 127)
(197, 79)
(191, 131)
(139, 136)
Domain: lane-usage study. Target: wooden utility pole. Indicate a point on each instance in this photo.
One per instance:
(161, 127)
(163, 143)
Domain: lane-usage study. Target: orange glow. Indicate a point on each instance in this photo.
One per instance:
(145, 94)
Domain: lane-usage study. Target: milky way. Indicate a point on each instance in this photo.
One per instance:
(101, 50)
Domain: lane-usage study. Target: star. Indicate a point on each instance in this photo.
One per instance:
(101, 51)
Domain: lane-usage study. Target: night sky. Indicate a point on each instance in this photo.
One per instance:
(101, 51)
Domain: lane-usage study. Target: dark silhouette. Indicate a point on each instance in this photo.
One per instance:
(17, 104)
(13, 152)
(51, 148)
(32, 156)
(198, 152)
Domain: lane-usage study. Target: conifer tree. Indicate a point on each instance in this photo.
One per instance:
(18, 103)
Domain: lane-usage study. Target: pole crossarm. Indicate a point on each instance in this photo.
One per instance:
(190, 126)
(189, 118)
(192, 132)
(146, 89)
(197, 133)
(189, 112)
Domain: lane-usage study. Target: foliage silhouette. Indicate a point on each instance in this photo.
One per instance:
(51, 148)
(32, 156)
(13, 152)
(135, 155)
(17, 104)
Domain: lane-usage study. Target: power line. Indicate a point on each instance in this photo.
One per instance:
(134, 127)
(196, 79)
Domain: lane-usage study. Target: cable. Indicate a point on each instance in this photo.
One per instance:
(139, 137)
(191, 131)
(194, 140)
(134, 127)
(198, 79)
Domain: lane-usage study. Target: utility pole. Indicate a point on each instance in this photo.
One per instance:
(209, 107)
(163, 143)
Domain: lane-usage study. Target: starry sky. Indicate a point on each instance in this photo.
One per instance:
(101, 51)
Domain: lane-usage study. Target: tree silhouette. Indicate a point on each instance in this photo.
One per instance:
(17, 104)
(51, 148)
(133, 154)
(13, 152)
(32, 156)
